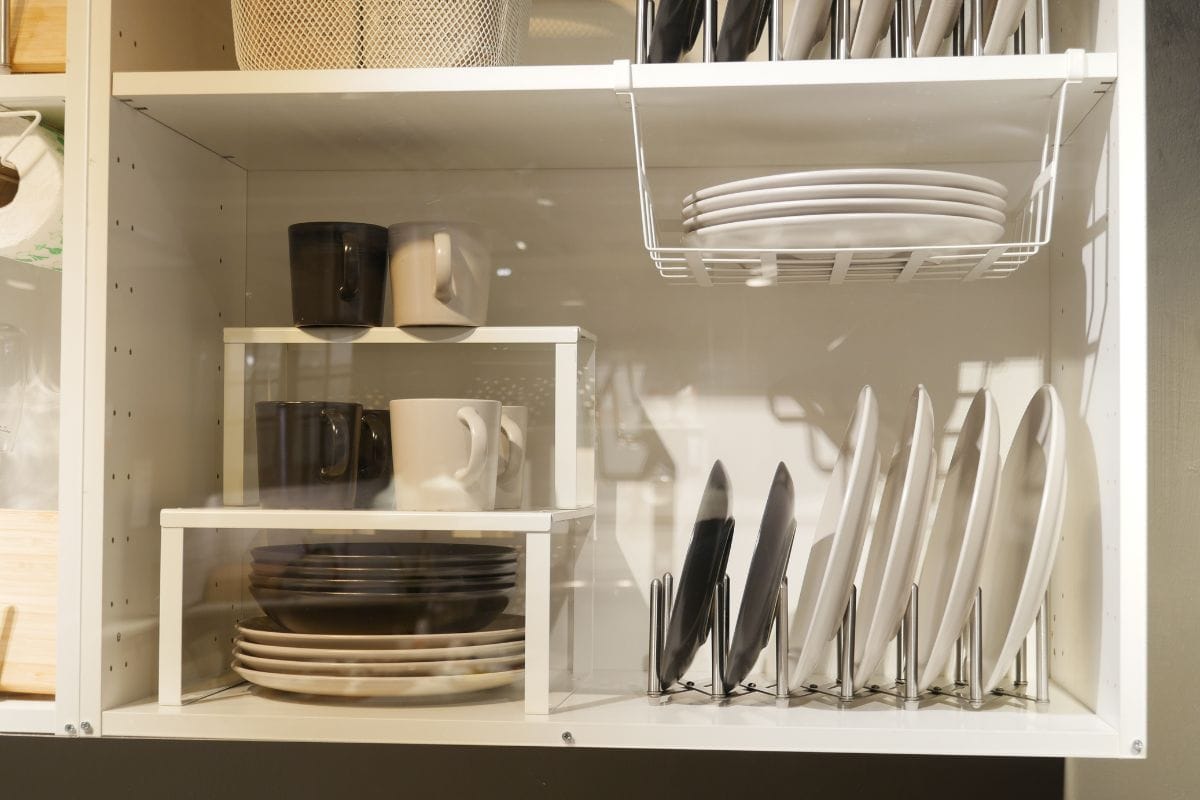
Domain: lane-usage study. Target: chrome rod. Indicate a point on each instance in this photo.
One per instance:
(720, 636)
(1043, 27)
(959, 654)
(640, 38)
(710, 30)
(835, 25)
(844, 32)
(775, 33)
(668, 583)
(975, 686)
(958, 37)
(782, 689)
(841, 649)
(910, 28)
(1021, 677)
(894, 31)
(846, 668)
(1043, 651)
(912, 692)
(900, 649)
(976, 27)
(653, 687)
(1019, 37)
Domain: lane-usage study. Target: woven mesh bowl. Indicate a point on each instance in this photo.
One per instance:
(366, 34)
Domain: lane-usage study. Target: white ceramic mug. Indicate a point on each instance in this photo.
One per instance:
(445, 454)
(510, 478)
(441, 272)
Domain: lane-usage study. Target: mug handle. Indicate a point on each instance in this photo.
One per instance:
(515, 459)
(443, 260)
(476, 461)
(339, 429)
(350, 277)
(378, 463)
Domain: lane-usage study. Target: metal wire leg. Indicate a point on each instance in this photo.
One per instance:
(846, 665)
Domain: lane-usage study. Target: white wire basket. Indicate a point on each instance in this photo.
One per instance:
(383, 34)
(1029, 229)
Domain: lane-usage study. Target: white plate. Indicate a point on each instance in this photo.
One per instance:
(829, 231)
(837, 541)
(810, 20)
(1003, 25)
(505, 628)
(874, 16)
(337, 686)
(818, 177)
(1024, 539)
(359, 655)
(940, 16)
(377, 669)
(897, 191)
(843, 205)
(891, 564)
(959, 535)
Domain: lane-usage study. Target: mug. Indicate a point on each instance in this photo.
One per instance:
(374, 457)
(510, 478)
(307, 453)
(446, 454)
(441, 272)
(339, 273)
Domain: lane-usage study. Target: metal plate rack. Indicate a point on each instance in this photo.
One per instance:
(1028, 230)
(967, 677)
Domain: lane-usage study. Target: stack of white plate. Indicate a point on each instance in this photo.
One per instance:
(413, 665)
(847, 208)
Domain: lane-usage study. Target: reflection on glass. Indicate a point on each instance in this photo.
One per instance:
(14, 360)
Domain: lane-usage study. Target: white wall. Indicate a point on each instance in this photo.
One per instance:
(1172, 769)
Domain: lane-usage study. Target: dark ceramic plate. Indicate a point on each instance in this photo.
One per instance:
(767, 568)
(451, 572)
(382, 554)
(741, 29)
(379, 613)
(676, 24)
(488, 583)
(703, 566)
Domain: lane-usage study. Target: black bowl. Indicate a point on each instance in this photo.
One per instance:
(379, 613)
(487, 584)
(451, 572)
(383, 554)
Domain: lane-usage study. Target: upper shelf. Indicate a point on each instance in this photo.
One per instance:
(44, 93)
(793, 113)
(565, 334)
(229, 517)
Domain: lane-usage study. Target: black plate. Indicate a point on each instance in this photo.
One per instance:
(449, 572)
(767, 567)
(382, 554)
(741, 29)
(676, 23)
(703, 566)
(378, 613)
(387, 587)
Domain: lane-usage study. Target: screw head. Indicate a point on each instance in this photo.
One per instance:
(69, 729)
(568, 738)
(1138, 746)
(86, 727)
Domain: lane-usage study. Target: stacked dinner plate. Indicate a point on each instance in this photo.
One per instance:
(847, 208)
(439, 603)
(412, 665)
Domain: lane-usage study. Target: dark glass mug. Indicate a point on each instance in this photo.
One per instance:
(374, 457)
(339, 273)
(307, 453)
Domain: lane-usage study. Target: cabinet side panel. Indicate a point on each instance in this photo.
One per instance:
(172, 35)
(175, 279)
(1086, 369)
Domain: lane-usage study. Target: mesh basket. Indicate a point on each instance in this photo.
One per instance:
(349, 34)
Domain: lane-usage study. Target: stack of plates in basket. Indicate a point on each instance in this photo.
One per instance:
(847, 208)
(375, 619)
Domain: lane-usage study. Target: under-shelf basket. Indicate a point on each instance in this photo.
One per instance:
(1028, 230)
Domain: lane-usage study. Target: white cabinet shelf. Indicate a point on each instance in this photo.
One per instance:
(564, 334)
(553, 117)
(333, 520)
(44, 93)
(27, 716)
(607, 717)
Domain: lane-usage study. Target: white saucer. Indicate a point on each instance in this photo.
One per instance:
(360, 655)
(378, 669)
(891, 564)
(829, 231)
(896, 191)
(844, 205)
(505, 628)
(929, 177)
(1024, 539)
(337, 686)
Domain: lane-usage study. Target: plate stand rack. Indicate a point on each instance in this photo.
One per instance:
(967, 662)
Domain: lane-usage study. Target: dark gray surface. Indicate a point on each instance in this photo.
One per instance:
(31, 769)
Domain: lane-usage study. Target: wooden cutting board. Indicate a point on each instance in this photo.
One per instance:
(28, 600)
(37, 30)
